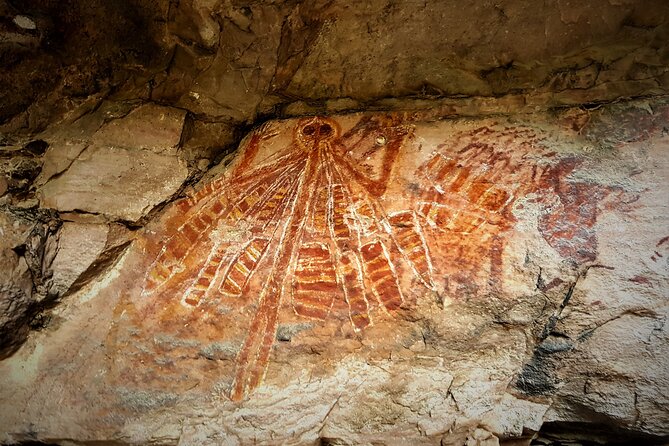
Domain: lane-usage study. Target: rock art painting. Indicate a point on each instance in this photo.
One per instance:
(312, 219)
(354, 219)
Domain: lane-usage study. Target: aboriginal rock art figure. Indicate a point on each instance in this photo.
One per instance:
(662, 245)
(312, 219)
(470, 189)
(320, 226)
(469, 192)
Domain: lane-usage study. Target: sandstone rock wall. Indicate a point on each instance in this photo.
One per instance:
(234, 61)
(467, 246)
(541, 311)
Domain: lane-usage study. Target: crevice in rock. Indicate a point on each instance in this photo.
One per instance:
(34, 251)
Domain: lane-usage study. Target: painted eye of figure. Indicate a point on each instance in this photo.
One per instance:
(308, 130)
(325, 130)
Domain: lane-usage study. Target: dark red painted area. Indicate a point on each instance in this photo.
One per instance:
(569, 226)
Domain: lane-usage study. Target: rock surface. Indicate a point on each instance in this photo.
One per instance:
(79, 245)
(148, 127)
(233, 61)
(99, 176)
(16, 285)
(26, 257)
(547, 309)
(538, 320)
(131, 156)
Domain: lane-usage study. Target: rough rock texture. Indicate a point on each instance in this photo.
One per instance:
(539, 318)
(147, 127)
(26, 255)
(126, 157)
(105, 162)
(543, 318)
(232, 61)
(16, 288)
(79, 245)
(96, 180)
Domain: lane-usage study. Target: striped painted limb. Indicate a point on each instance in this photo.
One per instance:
(194, 234)
(253, 358)
(381, 275)
(349, 265)
(238, 268)
(410, 240)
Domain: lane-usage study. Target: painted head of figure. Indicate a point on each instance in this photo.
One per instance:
(311, 133)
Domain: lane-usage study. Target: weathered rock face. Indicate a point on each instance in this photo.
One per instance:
(232, 61)
(96, 179)
(468, 246)
(367, 278)
(125, 157)
(113, 164)
(55, 57)
(17, 283)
